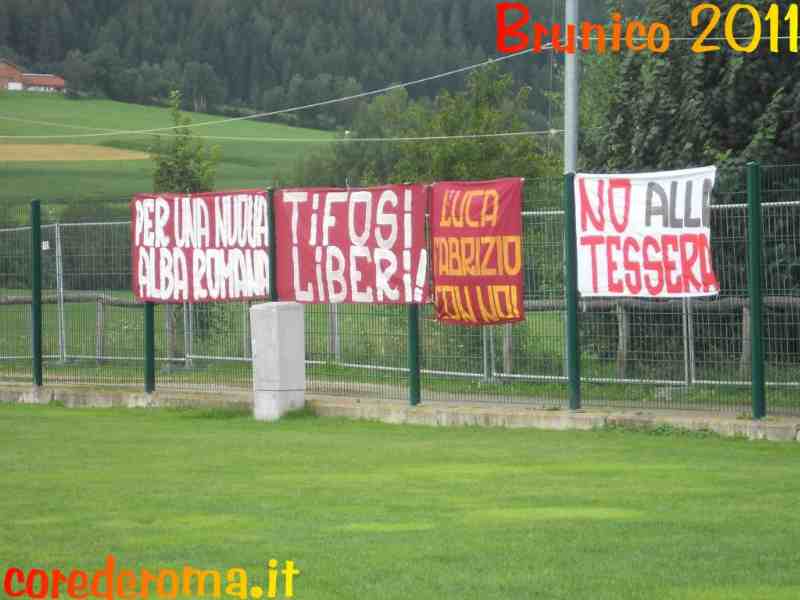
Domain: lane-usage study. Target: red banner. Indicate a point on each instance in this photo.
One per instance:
(476, 234)
(200, 247)
(352, 246)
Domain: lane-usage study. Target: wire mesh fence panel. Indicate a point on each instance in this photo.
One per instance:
(456, 361)
(721, 325)
(513, 363)
(15, 306)
(92, 325)
(676, 354)
(643, 354)
(781, 268)
(204, 346)
(357, 349)
(543, 194)
(52, 322)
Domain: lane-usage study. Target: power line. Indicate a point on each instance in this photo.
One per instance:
(433, 138)
(293, 109)
(52, 124)
(465, 136)
(490, 61)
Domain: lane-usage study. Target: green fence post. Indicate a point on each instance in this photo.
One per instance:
(36, 292)
(149, 348)
(273, 249)
(413, 355)
(754, 279)
(571, 254)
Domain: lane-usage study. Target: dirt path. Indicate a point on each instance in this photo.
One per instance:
(65, 152)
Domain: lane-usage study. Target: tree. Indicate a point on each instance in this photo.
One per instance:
(252, 47)
(78, 73)
(488, 105)
(201, 86)
(184, 164)
(9, 54)
(5, 25)
(152, 83)
(107, 64)
(683, 108)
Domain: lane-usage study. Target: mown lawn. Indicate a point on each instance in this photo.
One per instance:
(374, 511)
(245, 163)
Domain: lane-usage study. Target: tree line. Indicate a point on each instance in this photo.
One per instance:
(262, 55)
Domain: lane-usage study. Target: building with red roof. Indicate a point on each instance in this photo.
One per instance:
(40, 82)
(10, 76)
(13, 79)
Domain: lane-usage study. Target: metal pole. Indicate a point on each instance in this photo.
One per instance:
(508, 349)
(571, 113)
(247, 342)
(413, 355)
(754, 280)
(690, 333)
(169, 333)
(36, 291)
(571, 282)
(334, 339)
(187, 336)
(487, 370)
(62, 330)
(687, 370)
(190, 337)
(273, 250)
(149, 348)
(492, 370)
(571, 95)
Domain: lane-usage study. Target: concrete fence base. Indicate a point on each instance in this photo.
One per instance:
(442, 414)
(438, 414)
(99, 397)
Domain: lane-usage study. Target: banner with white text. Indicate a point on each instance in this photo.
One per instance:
(352, 245)
(200, 248)
(645, 235)
(476, 236)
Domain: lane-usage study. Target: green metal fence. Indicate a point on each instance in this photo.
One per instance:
(15, 298)
(685, 354)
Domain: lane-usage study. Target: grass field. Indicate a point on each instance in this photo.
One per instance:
(375, 511)
(244, 163)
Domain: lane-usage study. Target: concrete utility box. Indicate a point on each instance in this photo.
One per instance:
(279, 359)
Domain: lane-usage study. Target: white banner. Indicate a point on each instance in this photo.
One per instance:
(645, 235)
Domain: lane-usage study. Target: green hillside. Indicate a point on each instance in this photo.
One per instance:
(65, 185)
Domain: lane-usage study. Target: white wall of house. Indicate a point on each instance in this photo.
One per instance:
(39, 88)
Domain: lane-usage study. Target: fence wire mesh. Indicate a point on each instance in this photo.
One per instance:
(692, 354)
(92, 326)
(677, 354)
(15, 301)
(515, 363)
(781, 259)
(357, 349)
